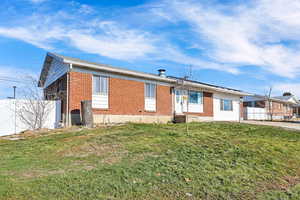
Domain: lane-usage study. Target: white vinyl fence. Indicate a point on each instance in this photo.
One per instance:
(12, 123)
(251, 113)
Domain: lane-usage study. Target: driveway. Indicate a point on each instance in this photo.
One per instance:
(289, 125)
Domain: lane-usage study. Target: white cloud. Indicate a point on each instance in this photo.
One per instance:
(86, 9)
(113, 42)
(105, 38)
(280, 88)
(251, 34)
(228, 38)
(35, 35)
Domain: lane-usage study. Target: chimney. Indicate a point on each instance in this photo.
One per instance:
(162, 72)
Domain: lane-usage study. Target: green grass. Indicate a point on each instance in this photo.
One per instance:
(148, 161)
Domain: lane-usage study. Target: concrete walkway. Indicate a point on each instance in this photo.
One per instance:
(289, 125)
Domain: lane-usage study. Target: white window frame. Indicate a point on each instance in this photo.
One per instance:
(222, 105)
(196, 107)
(103, 92)
(201, 99)
(100, 100)
(150, 99)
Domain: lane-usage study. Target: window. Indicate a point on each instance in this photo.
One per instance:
(226, 105)
(100, 85)
(259, 104)
(100, 92)
(177, 96)
(150, 97)
(195, 97)
(150, 90)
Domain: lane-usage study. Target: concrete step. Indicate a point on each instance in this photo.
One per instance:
(180, 119)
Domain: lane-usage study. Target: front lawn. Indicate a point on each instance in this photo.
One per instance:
(149, 161)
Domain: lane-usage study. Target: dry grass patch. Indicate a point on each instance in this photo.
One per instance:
(88, 149)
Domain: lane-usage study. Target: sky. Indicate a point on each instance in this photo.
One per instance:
(247, 45)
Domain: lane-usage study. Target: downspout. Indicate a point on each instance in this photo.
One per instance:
(68, 96)
(240, 109)
(173, 103)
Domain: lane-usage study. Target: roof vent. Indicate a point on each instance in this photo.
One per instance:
(162, 72)
(287, 94)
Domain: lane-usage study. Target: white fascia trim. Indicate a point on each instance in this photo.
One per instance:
(264, 98)
(120, 71)
(215, 89)
(153, 77)
(55, 57)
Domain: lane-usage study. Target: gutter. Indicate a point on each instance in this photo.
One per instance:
(120, 71)
(273, 99)
(211, 88)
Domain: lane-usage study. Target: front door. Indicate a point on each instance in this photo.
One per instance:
(181, 99)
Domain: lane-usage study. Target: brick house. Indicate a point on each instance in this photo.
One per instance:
(260, 108)
(120, 95)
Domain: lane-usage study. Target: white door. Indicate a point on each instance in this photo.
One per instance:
(181, 99)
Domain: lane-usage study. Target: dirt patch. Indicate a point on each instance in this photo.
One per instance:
(289, 181)
(40, 133)
(37, 173)
(284, 184)
(87, 149)
(70, 139)
(82, 165)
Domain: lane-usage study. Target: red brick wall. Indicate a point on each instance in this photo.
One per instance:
(80, 89)
(126, 97)
(279, 109)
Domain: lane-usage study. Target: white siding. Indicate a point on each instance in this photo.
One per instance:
(195, 108)
(100, 101)
(220, 115)
(57, 69)
(150, 104)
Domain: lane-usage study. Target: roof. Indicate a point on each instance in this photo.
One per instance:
(285, 98)
(119, 70)
(193, 81)
(282, 99)
(45, 70)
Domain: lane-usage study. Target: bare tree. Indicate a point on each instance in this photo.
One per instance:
(182, 85)
(269, 101)
(33, 110)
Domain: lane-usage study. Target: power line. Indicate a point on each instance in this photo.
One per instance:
(10, 80)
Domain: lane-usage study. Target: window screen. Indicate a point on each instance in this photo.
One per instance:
(100, 85)
(226, 105)
(150, 90)
(195, 97)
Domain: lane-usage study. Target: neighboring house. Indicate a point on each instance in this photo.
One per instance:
(259, 107)
(297, 110)
(121, 95)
